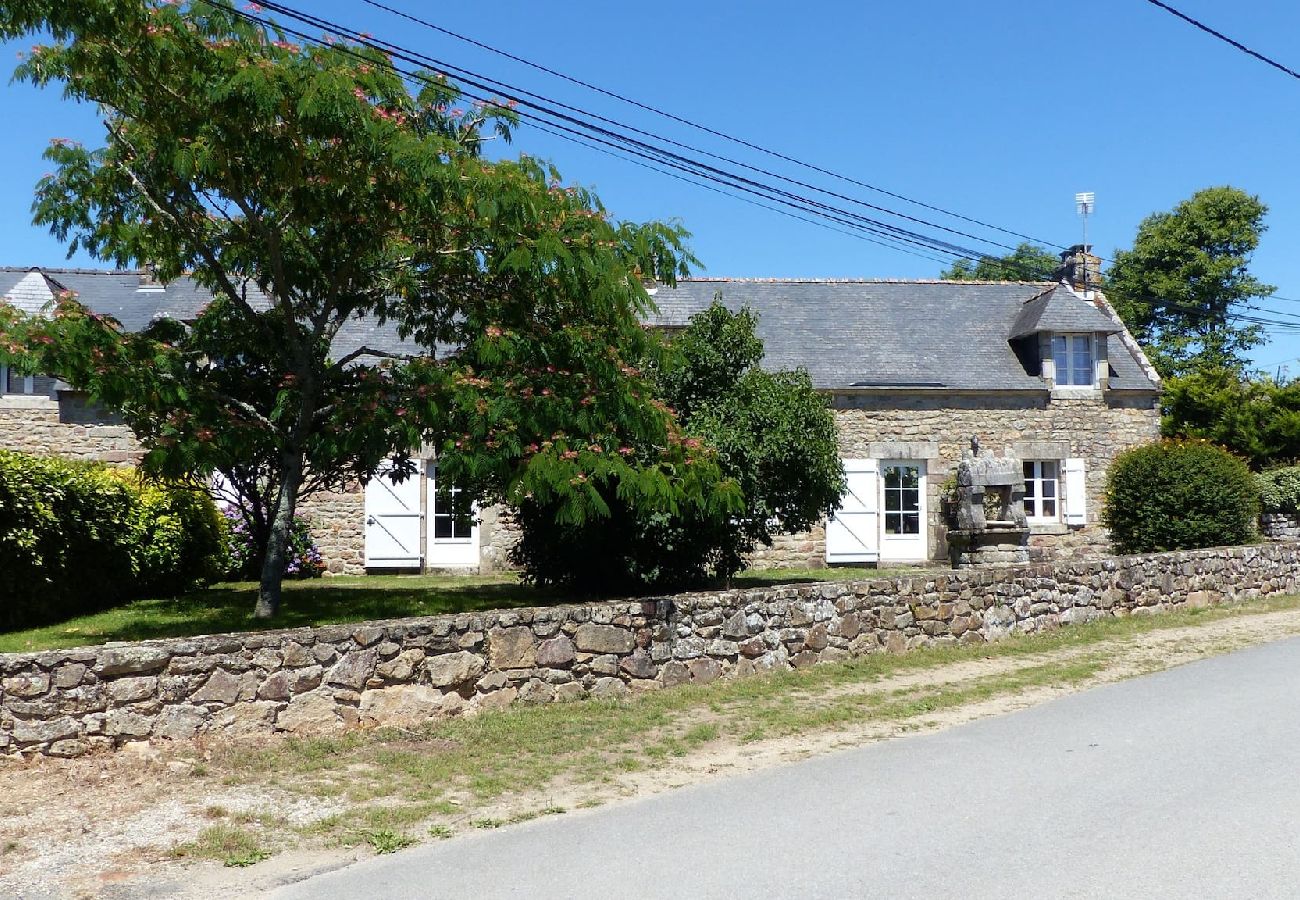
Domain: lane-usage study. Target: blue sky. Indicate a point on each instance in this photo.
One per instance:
(999, 110)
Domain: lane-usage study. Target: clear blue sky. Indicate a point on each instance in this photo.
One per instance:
(999, 110)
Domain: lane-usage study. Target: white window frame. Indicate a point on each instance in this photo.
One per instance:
(1064, 365)
(1034, 493)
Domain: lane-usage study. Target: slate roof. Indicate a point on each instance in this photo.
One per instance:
(1061, 309)
(891, 334)
(847, 333)
(121, 295)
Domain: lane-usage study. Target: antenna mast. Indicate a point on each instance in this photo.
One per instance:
(1085, 202)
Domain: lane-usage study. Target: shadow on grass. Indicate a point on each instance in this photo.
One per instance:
(332, 601)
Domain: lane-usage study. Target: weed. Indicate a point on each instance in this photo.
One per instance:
(229, 844)
(386, 841)
(441, 832)
(487, 823)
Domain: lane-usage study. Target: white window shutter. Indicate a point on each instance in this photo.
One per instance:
(1076, 493)
(853, 530)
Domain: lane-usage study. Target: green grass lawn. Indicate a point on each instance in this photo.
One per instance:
(330, 601)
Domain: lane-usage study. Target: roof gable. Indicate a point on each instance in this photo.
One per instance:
(1061, 310)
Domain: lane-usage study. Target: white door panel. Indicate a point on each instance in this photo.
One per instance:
(853, 531)
(393, 519)
(453, 542)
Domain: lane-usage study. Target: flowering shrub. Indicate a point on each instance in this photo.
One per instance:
(302, 559)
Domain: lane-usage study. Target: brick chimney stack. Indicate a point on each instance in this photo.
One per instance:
(1080, 268)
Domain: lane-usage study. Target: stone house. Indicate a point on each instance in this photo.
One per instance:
(912, 369)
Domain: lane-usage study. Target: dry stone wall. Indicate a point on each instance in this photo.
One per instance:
(1280, 526)
(70, 702)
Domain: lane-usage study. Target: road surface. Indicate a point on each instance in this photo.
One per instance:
(1185, 783)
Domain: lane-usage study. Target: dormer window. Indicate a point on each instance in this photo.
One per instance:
(1074, 360)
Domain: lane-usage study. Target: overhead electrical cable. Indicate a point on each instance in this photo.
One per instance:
(697, 125)
(1223, 37)
(549, 106)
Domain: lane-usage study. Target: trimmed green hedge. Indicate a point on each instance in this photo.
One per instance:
(78, 537)
(1279, 490)
(1179, 495)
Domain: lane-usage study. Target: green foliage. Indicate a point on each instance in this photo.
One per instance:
(78, 537)
(1279, 490)
(312, 177)
(1179, 495)
(769, 432)
(1028, 262)
(302, 558)
(1187, 273)
(1256, 418)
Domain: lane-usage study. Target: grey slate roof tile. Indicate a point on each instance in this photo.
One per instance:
(1062, 310)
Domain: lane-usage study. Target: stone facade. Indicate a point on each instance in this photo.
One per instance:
(338, 525)
(70, 702)
(71, 429)
(1280, 526)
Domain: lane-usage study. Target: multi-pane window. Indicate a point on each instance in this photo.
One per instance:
(902, 499)
(452, 519)
(1042, 497)
(1072, 354)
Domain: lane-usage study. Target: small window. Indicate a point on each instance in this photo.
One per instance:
(1072, 354)
(1042, 494)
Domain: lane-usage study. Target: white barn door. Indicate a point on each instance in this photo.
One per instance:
(393, 519)
(853, 531)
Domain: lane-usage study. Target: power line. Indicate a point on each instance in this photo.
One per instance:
(701, 127)
(1227, 40)
(536, 101)
(614, 138)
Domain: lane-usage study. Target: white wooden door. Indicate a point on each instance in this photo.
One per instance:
(393, 519)
(903, 532)
(453, 538)
(853, 531)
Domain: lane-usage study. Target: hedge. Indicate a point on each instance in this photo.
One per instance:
(1179, 495)
(79, 537)
(1279, 490)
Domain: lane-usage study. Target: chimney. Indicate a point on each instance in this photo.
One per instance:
(149, 280)
(1080, 268)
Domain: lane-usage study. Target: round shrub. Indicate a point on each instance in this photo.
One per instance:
(181, 540)
(1179, 495)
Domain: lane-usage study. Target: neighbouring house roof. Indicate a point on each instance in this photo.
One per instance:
(135, 303)
(929, 335)
(1062, 310)
(848, 334)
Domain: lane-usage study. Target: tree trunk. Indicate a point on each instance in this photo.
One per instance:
(268, 595)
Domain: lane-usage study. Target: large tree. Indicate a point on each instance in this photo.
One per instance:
(1028, 262)
(1256, 418)
(774, 435)
(306, 187)
(1186, 276)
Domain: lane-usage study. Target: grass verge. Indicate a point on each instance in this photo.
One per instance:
(509, 766)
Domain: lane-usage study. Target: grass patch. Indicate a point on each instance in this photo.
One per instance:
(334, 601)
(228, 844)
(441, 832)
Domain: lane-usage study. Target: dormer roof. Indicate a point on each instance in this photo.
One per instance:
(1060, 309)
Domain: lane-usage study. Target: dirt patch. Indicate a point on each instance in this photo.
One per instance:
(110, 826)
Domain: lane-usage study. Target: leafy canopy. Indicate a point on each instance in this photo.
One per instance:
(774, 436)
(1186, 275)
(1028, 262)
(316, 196)
(1256, 418)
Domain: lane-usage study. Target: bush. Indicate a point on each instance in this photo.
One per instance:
(1279, 490)
(1179, 495)
(302, 558)
(79, 537)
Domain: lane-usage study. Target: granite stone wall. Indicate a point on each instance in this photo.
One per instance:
(72, 430)
(1280, 526)
(402, 672)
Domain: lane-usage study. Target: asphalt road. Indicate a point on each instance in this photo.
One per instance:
(1179, 784)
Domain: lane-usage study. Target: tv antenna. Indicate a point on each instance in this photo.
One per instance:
(1085, 202)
